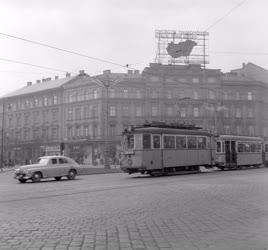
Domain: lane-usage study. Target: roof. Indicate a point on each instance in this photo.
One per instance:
(172, 131)
(239, 138)
(37, 87)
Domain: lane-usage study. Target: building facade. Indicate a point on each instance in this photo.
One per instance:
(84, 116)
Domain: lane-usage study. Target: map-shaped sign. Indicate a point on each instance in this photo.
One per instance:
(180, 49)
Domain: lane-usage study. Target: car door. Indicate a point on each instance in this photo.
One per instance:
(64, 166)
(53, 167)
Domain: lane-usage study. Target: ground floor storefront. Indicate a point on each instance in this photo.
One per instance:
(84, 152)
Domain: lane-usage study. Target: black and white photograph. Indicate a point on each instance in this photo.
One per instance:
(133, 125)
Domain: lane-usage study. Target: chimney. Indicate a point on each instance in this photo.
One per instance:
(48, 79)
(38, 81)
(68, 74)
(44, 79)
(243, 65)
(106, 72)
(56, 77)
(130, 72)
(81, 72)
(29, 84)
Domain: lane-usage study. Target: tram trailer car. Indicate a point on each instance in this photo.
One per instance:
(235, 152)
(160, 150)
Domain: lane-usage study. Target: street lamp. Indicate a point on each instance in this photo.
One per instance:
(106, 83)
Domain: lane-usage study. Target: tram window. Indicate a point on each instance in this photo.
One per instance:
(253, 147)
(138, 141)
(130, 141)
(258, 147)
(266, 147)
(180, 142)
(218, 147)
(169, 141)
(146, 141)
(156, 141)
(201, 142)
(192, 142)
(247, 147)
(240, 147)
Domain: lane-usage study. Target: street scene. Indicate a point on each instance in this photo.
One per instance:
(133, 125)
(210, 210)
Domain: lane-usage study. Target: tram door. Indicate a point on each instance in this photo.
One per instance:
(230, 153)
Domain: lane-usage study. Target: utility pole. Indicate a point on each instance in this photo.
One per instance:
(2, 134)
(106, 84)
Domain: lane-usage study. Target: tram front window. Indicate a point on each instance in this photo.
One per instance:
(129, 142)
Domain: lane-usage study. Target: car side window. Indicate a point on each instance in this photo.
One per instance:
(62, 161)
(54, 161)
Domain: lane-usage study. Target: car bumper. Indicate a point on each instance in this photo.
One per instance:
(21, 177)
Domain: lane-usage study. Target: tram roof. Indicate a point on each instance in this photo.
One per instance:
(239, 138)
(174, 131)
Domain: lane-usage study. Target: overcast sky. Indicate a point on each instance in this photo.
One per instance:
(122, 31)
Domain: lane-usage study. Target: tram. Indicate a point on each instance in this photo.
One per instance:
(159, 149)
(234, 152)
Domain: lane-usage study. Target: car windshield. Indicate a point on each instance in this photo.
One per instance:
(42, 161)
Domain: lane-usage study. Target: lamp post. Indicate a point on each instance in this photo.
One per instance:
(106, 83)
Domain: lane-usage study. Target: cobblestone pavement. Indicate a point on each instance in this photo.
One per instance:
(218, 210)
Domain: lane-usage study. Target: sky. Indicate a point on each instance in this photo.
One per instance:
(122, 32)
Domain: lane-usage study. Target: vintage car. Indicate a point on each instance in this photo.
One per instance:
(48, 167)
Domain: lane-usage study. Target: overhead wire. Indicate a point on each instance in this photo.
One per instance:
(33, 65)
(64, 50)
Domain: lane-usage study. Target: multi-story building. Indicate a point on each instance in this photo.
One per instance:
(85, 115)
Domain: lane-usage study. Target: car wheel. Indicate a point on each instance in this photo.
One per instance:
(36, 177)
(57, 178)
(22, 181)
(71, 175)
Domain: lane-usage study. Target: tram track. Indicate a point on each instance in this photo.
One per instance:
(164, 180)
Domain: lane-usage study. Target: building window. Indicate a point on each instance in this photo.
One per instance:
(227, 129)
(250, 96)
(195, 95)
(196, 112)
(138, 111)
(154, 111)
(251, 130)
(237, 96)
(94, 111)
(238, 113)
(78, 131)
(95, 94)
(45, 101)
(226, 113)
(183, 112)
(70, 114)
(238, 130)
(169, 111)
(125, 93)
(250, 113)
(195, 80)
(112, 111)
(154, 94)
(86, 131)
(138, 94)
(55, 99)
(211, 94)
(225, 96)
(95, 130)
(112, 130)
(125, 111)
(211, 80)
(80, 96)
(78, 114)
(112, 93)
(169, 94)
